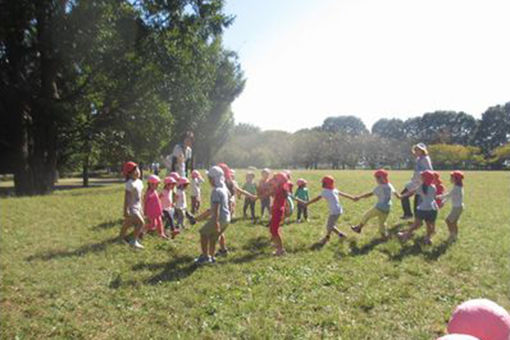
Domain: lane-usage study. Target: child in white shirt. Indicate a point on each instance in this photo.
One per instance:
(331, 195)
(457, 196)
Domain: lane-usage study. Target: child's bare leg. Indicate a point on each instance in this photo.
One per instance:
(277, 240)
(212, 246)
(139, 226)
(453, 228)
(222, 242)
(431, 230)
(125, 226)
(204, 245)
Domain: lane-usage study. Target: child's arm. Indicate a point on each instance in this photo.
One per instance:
(397, 195)
(244, 192)
(297, 199)
(203, 215)
(408, 194)
(343, 194)
(216, 209)
(126, 193)
(316, 199)
(368, 194)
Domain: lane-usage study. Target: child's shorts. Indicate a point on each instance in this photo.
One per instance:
(209, 229)
(332, 219)
(454, 215)
(426, 215)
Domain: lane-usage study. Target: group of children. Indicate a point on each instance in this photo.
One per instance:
(165, 211)
(276, 195)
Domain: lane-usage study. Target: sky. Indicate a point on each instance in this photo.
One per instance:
(306, 60)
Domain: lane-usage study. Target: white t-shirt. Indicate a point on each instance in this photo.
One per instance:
(134, 199)
(335, 208)
(383, 193)
(181, 153)
(456, 195)
(195, 186)
(180, 201)
(166, 199)
(428, 200)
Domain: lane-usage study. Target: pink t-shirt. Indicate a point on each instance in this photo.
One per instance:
(153, 208)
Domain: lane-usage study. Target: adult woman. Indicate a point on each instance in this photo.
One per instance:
(423, 163)
(181, 159)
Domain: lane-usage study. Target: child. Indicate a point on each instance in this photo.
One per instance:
(196, 182)
(302, 194)
(263, 192)
(335, 209)
(132, 204)
(181, 204)
(152, 206)
(439, 188)
(426, 210)
(219, 213)
(457, 197)
(167, 199)
(250, 187)
(280, 190)
(381, 210)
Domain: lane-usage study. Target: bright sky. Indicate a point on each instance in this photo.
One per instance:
(306, 60)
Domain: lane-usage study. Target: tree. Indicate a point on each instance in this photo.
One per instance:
(449, 156)
(389, 128)
(501, 154)
(494, 129)
(349, 125)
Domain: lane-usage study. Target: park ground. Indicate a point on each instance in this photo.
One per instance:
(64, 274)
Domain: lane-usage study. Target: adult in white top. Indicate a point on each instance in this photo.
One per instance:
(423, 163)
(180, 160)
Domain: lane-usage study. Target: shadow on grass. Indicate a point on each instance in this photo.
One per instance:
(429, 253)
(366, 248)
(108, 224)
(88, 248)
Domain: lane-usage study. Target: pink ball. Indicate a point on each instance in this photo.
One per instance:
(457, 337)
(481, 318)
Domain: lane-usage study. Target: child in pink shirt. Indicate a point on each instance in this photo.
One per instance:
(152, 207)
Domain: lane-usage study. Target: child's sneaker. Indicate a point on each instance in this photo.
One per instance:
(356, 228)
(427, 241)
(137, 245)
(125, 240)
(403, 236)
(221, 252)
(202, 259)
(280, 252)
(341, 236)
(212, 259)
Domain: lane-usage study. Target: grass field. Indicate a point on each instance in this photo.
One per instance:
(65, 275)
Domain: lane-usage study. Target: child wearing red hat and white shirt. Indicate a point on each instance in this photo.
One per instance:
(331, 195)
(426, 210)
(133, 212)
(153, 208)
(181, 203)
(167, 199)
(196, 182)
(457, 197)
(381, 210)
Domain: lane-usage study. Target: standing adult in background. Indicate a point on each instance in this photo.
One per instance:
(423, 163)
(181, 159)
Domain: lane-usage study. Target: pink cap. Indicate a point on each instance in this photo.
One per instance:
(183, 181)
(170, 180)
(301, 182)
(153, 179)
(195, 174)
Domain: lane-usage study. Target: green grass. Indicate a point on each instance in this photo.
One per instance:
(65, 275)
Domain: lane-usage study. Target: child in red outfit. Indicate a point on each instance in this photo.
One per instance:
(439, 188)
(281, 188)
(152, 206)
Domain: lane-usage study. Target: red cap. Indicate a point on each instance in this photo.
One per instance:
(381, 173)
(428, 177)
(328, 182)
(128, 167)
(226, 171)
(458, 175)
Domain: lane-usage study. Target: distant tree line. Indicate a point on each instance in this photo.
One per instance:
(455, 140)
(89, 83)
